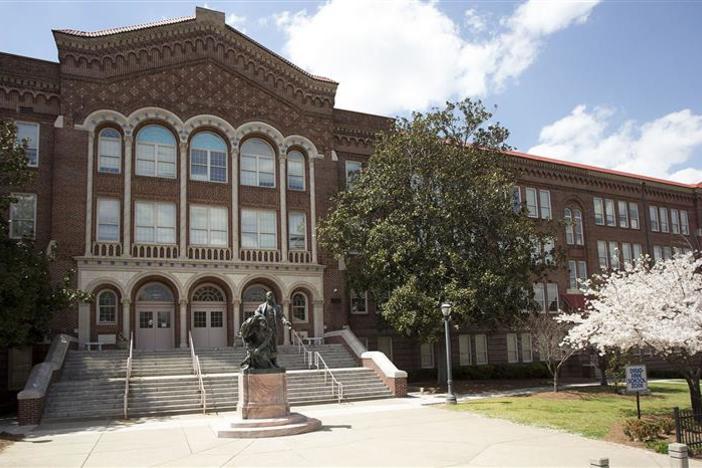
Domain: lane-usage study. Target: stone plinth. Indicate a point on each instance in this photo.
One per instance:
(263, 408)
(263, 394)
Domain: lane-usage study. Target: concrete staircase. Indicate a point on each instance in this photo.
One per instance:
(162, 382)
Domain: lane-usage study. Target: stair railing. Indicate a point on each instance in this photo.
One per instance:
(307, 355)
(129, 374)
(197, 370)
(334, 382)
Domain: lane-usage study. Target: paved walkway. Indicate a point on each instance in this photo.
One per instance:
(403, 432)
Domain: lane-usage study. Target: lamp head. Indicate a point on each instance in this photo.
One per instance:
(446, 309)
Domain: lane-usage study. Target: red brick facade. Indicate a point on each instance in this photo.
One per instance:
(198, 74)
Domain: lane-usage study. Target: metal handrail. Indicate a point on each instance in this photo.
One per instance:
(339, 386)
(197, 370)
(302, 349)
(129, 374)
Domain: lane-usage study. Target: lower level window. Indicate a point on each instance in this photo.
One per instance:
(299, 307)
(359, 302)
(107, 307)
(481, 354)
(23, 215)
(464, 355)
(427, 355)
(208, 225)
(199, 319)
(512, 348)
(258, 229)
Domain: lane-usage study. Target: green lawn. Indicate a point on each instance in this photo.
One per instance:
(591, 412)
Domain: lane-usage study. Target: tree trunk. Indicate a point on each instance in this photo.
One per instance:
(692, 376)
(555, 379)
(602, 366)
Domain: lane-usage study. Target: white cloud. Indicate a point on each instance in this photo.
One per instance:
(474, 21)
(394, 56)
(656, 148)
(236, 21)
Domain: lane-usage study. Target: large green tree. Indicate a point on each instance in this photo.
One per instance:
(28, 297)
(431, 218)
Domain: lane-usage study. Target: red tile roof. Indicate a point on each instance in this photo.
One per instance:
(107, 32)
(561, 162)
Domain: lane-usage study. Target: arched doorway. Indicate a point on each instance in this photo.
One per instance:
(155, 309)
(208, 317)
(253, 296)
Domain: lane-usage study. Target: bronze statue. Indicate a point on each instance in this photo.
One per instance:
(260, 335)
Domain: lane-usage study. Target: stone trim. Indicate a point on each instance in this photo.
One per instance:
(395, 381)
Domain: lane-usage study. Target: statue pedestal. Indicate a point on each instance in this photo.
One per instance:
(263, 408)
(263, 394)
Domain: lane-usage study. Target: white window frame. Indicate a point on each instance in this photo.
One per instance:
(354, 294)
(545, 204)
(532, 196)
(627, 256)
(348, 162)
(156, 225)
(653, 217)
(430, 347)
(684, 223)
(97, 308)
(663, 219)
(527, 347)
(210, 230)
(118, 157)
(674, 221)
(257, 212)
(38, 130)
(551, 290)
(540, 296)
(512, 348)
(598, 206)
(208, 152)
(292, 308)
(465, 356)
(634, 220)
(258, 158)
(636, 252)
(290, 230)
(99, 203)
(569, 226)
(481, 349)
(287, 165)
(610, 212)
(602, 255)
(623, 214)
(156, 160)
(614, 260)
(578, 224)
(657, 253)
(33, 197)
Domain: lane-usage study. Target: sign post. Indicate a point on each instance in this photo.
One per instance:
(636, 381)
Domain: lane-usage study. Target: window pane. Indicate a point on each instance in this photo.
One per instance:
(266, 180)
(609, 212)
(539, 296)
(166, 169)
(545, 202)
(614, 254)
(532, 206)
(218, 219)
(599, 210)
(198, 217)
(198, 236)
(674, 221)
(144, 234)
(267, 241)
(218, 237)
(663, 212)
(166, 214)
(30, 133)
(156, 134)
(602, 254)
(623, 214)
(166, 235)
(552, 296)
(145, 168)
(634, 215)
(296, 182)
(267, 222)
(249, 240)
(248, 178)
(248, 221)
(653, 215)
(684, 223)
(144, 214)
(208, 141)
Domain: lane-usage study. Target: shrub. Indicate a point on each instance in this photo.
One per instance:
(533, 370)
(648, 429)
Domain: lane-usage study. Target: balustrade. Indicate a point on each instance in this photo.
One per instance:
(299, 256)
(155, 251)
(209, 253)
(256, 255)
(107, 249)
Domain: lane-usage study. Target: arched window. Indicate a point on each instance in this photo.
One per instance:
(155, 292)
(255, 293)
(156, 152)
(208, 294)
(110, 151)
(257, 163)
(573, 219)
(299, 307)
(208, 157)
(107, 307)
(296, 171)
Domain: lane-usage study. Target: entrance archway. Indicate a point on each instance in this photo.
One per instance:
(209, 317)
(155, 310)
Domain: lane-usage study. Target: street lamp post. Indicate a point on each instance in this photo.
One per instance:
(446, 311)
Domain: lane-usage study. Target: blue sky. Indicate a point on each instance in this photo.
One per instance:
(615, 84)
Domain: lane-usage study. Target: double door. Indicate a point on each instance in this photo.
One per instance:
(209, 326)
(155, 327)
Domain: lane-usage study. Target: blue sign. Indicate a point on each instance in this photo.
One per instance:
(636, 380)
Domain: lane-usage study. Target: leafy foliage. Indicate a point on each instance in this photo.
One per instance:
(28, 298)
(431, 219)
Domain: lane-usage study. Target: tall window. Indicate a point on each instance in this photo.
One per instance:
(577, 273)
(552, 297)
(155, 223)
(598, 204)
(258, 229)
(257, 163)
(359, 302)
(299, 307)
(23, 214)
(675, 221)
(653, 214)
(208, 225)
(527, 348)
(426, 353)
(296, 171)
(297, 230)
(110, 151)
(684, 223)
(636, 251)
(29, 132)
(623, 210)
(353, 170)
(156, 152)
(627, 254)
(545, 204)
(663, 215)
(574, 226)
(107, 307)
(540, 296)
(569, 228)
(107, 220)
(464, 351)
(512, 348)
(614, 254)
(634, 215)
(481, 351)
(208, 157)
(532, 203)
(602, 254)
(610, 215)
(516, 201)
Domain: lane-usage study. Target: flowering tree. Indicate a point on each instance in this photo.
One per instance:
(657, 307)
(547, 337)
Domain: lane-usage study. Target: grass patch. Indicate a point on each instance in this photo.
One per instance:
(591, 412)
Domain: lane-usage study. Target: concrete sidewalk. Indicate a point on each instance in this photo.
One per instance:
(401, 432)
